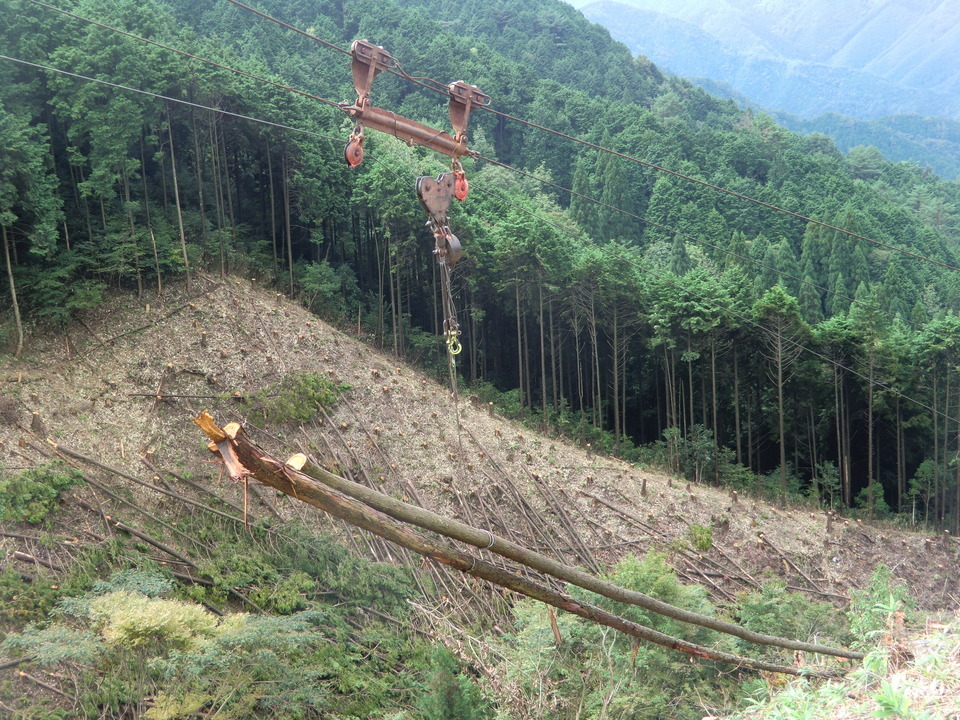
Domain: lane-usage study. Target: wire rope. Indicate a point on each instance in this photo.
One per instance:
(438, 87)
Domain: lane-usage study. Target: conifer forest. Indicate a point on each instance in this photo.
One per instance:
(689, 283)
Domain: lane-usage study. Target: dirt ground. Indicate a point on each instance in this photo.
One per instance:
(93, 389)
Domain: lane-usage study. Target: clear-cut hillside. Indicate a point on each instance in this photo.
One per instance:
(93, 389)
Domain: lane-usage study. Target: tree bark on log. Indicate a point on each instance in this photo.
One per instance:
(243, 459)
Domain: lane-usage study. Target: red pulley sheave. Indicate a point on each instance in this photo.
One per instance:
(461, 187)
(353, 152)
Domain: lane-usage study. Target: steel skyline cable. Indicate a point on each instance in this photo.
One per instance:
(600, 203)
(530, 212)
(158, 96)
(438, 87)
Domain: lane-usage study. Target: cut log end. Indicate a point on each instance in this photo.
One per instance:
(205, 422)
(298, 461)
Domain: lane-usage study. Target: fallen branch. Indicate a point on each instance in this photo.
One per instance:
(142, 535)
(170, 551)
(37, 538)
(16, 554)
(156, 488)
(150, 516)
(47, 686)
(165, 396)
(6, 664)
(243, 459)
(196, 486)
(625, 513)
(710, 582)
(789, 562)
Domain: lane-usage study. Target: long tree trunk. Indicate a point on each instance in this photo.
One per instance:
(578, 359)
(780, 411)
(394, 319)
(670, 390)
(616, 379)
(520, 365)
(273, 212)
(198, 171)
(13, 293)
(286, 214)
(736, 403)
(837, 422)
(556, 360)
(218, 191)
(176, 196)
(690, 419)
(143, 180)
(870, 371)
(812, 447)
(713, 403)
(146, 211)
(750, 444)
(943, 448)
(597, 390)
(543, 356)
(133, 229)
(936, 448)
(227, 191)
(382, 263)
(956, 499)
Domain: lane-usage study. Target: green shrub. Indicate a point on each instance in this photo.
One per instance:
(124, 638)
(295, 399)
(774, 610)
(28, 496)
(56, 644)
(871, 608)
(23, 601)
(700, 536)
(130, 619)
(449, 694)
(141, 581)
(598, 672)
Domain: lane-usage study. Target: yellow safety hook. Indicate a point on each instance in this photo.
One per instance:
(453, 342)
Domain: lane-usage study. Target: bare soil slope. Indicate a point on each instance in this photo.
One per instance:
(93, 390)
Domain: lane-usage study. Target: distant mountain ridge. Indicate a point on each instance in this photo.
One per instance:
(866, 58)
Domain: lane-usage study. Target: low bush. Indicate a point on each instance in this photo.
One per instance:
(29, 495)
(295, 399)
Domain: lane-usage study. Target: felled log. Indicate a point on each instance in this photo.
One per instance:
(243, 459)
(486, 540)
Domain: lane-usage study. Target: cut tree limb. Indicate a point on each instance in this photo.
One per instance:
(244, 459)
(789, 562)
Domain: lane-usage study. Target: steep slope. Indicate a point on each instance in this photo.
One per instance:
(94, 390)
(123, 383)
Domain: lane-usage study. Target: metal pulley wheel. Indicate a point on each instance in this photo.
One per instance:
(353, 152)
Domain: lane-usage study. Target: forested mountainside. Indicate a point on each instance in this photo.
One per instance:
(851, 105)
(668, 321)
(928, 141)
(865, 59)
